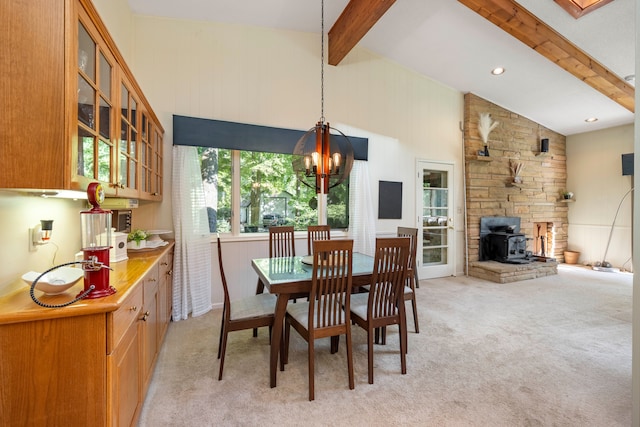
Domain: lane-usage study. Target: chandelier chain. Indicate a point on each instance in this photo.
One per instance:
(322, 63)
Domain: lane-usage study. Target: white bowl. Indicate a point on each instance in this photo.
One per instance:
(56, 281)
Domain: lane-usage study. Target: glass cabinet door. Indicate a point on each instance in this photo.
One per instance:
(94, 108)
(146, 155)
(129, 135)
(150, 158)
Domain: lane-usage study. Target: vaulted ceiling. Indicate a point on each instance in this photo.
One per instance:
(559, 70)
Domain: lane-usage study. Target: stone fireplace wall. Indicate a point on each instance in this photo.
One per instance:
(490, 187)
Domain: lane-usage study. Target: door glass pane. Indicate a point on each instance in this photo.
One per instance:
(435, 237)
(133, 144)
(435, 214)
(123, 171)
(105, 76)
(124, 132)
(124, 98)
(434, 256)
(143, 129)
(85, 153)
(104, 161)
(86, 53)
(134, 111)
(86, 102)
(132, 173)
(105, 119)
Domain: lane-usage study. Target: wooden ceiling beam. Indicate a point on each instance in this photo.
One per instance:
(526, 27)
(354, 22)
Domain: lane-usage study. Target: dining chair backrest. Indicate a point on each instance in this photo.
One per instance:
(412, 233)
(412, 272)
(227, 301)
(331, 283)
(317, 232)
(386, 295)
(281, 241)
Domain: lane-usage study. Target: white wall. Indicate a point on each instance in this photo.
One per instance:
(18, 213)
(272, 78)
(594, 174)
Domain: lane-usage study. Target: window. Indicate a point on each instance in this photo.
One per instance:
(267, 190)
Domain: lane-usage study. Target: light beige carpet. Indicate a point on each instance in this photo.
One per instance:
(553, 351)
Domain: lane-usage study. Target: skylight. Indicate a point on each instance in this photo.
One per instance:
(578, 8)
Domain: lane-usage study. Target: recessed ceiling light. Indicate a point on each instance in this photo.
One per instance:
(497, 71)
(591, 119)
(631, 78)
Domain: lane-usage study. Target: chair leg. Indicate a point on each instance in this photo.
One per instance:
(221, 332)
(414, 305)
(403, 341)
(223, 349)
(259, 290)
(284, 345)
(335, 344)
(370, 352)
(311, 369)
(352, 384)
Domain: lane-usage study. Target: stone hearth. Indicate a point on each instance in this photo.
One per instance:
(507, 273)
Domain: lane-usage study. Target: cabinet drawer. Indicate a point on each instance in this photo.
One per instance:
(122, 318)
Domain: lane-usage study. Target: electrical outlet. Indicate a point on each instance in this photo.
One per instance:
(32, 246)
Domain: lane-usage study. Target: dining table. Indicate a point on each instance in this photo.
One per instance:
(290, 278)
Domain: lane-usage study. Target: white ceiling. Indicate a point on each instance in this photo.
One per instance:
(448, 42)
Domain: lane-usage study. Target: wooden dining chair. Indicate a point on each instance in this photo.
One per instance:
(317, 232)
(247, 313)
(281, 244)
(412, 278)
(383, 305)
(327, 313)
(281, 241)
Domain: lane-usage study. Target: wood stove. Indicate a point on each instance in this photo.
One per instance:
(501, 240)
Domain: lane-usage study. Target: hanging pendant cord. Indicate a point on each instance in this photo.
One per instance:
(322, 63)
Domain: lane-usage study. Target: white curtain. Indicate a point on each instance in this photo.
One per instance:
(192, 260)
(362, 221)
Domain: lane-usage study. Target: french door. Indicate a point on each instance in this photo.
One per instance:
(435, 254)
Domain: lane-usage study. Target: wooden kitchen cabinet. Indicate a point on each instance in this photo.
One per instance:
(88, 364)
(165, 297)
(149, 327)
(123, 362)
(67, 122)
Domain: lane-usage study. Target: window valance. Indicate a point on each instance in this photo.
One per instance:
(200, 132)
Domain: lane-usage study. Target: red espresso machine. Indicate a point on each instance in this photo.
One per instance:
(96, 243)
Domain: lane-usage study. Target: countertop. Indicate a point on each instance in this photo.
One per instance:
(16, 304)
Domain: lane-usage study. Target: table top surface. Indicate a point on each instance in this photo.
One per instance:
(298, 269)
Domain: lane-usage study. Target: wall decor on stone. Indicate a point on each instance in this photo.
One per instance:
(516, 171)
(485, 126)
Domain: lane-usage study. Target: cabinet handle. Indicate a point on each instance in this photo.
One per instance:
(169, 273)
(164, 263)
(152, 279)
(133, 308)
(145, 316)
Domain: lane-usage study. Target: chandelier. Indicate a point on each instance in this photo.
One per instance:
(323, 156)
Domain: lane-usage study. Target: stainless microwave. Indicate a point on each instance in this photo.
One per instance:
(121, 220)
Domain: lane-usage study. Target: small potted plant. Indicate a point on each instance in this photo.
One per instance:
(137, 239)
(567, 194)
